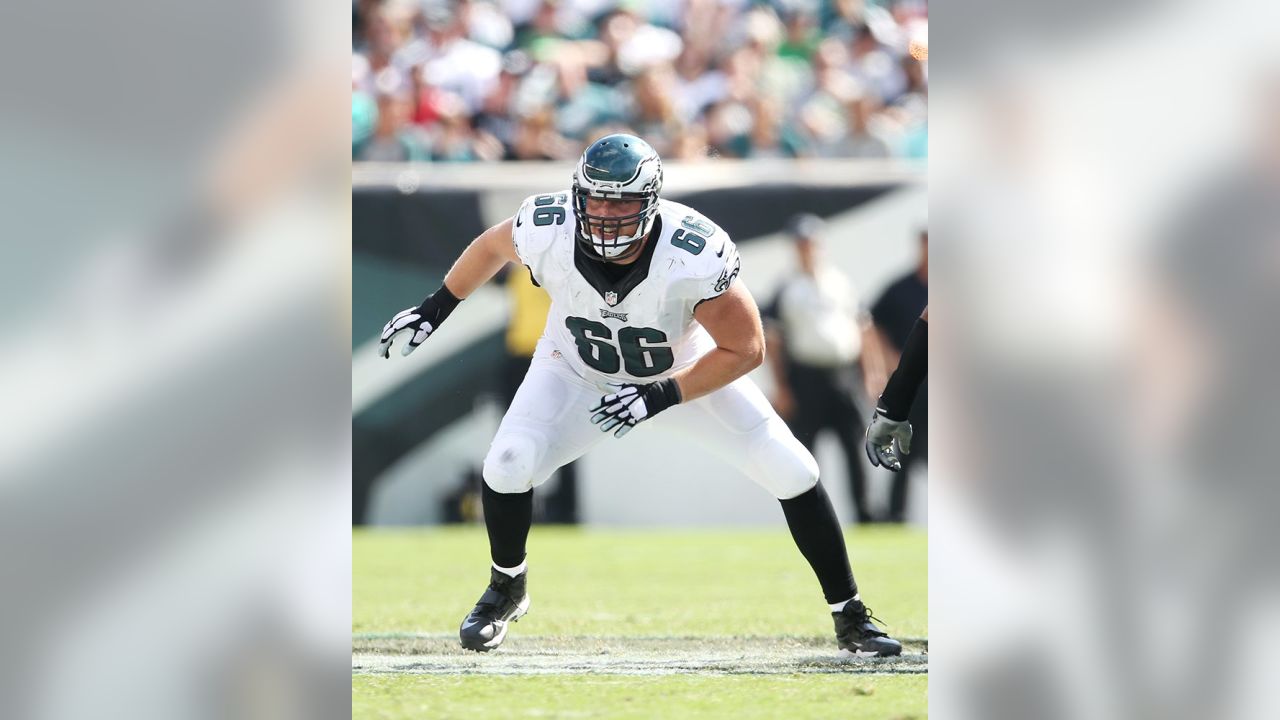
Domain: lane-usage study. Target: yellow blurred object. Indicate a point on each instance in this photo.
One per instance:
(529, 307)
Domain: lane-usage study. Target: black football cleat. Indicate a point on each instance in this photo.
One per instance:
(504, 601)
(857, 635)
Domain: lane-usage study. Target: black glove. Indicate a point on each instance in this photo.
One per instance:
(422, 321)
(633, 403)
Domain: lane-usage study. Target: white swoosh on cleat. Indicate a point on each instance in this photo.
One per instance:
(502, 634)
(843, 652)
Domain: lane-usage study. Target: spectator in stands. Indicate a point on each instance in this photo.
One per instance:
(911, 110)
(632, 45)
(430, 102)
(394, 139)
(364, 110)
(802, 35)
(769, 136)
(453, 139)
(486, 23)
(895, 313)
(455, 63)
(498, 113)
(860, 140)
(691, 143)
(876, 66)
(698, 77)
(615, 29)
(536, 138)
(654, 116)
(698, 84)
(727, 123)
(820, 341)
(382, 37)
(830, 69)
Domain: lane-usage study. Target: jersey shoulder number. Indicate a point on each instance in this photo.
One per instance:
(538, 221)
(715, 262)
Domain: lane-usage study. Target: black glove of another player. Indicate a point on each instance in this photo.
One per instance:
(421, 321)
(633, 403)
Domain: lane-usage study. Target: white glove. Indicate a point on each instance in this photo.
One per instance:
(632, 403)
(421, 321)
(407, 319)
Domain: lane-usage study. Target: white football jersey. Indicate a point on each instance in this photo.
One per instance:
(641, 328)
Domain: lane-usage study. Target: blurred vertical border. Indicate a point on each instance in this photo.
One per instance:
(174, 319)
(1104, 181)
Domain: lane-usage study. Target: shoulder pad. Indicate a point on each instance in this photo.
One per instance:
(715, 263)
(538, 221)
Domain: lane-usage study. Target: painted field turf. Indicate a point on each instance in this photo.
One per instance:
(634, 623)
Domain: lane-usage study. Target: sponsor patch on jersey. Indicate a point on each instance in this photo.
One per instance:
(616, 316)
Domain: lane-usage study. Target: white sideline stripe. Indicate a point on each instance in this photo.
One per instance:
(611, 638)
(441, 654)
(373, 377)
(504, 661)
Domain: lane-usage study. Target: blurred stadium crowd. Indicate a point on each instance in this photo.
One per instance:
(467, 80)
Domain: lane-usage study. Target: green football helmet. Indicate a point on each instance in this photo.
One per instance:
(622, 168)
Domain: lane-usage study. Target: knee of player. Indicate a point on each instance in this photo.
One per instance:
(509, 466)
(786, 468)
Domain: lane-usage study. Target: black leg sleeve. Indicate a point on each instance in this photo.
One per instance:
(507, 517)
(817, 533)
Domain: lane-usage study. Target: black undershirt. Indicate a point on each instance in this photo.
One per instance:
(615, 277)
(614, 271)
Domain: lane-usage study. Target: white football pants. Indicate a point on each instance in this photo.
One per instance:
(549, 425)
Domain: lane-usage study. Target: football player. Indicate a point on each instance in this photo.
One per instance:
(889, 433)
(646, 322)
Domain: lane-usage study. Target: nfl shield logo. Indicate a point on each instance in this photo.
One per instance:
(611, 298)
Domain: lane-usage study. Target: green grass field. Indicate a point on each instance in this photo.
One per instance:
(697, 594)
(740, 697)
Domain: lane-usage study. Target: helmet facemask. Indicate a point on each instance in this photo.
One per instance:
(603, 234)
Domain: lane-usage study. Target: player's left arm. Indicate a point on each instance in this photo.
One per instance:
(733, 321)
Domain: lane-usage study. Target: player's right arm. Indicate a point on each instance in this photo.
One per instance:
(482, 259)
